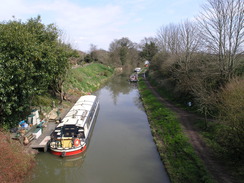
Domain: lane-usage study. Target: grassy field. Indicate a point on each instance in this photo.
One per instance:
(178, 156)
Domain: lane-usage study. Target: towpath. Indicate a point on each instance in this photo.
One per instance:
(187, 120)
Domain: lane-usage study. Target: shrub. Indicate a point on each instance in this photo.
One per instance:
(231, 117)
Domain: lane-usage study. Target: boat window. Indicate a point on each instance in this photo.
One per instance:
(88, 122)
(69, 131)
(81, 133)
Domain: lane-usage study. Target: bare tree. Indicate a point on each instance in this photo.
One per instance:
(93, 48)
(221, 25)
(93, 52)
(188, 43)
(168, 38)
(103, 56)
(147, 40)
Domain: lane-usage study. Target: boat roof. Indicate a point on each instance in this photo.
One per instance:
(79, 112)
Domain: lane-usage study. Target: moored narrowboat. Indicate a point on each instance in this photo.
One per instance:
(72, 135)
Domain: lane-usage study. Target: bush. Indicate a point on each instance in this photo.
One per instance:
(231, 117)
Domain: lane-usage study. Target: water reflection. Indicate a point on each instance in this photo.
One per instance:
(51, 168)
(119, 85)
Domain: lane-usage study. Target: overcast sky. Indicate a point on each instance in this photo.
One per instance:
(99, 22)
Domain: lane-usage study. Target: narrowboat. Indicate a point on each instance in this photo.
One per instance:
(72, 134)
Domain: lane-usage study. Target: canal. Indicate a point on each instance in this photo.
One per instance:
(121, 147)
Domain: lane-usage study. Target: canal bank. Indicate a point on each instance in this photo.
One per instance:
(176, 139)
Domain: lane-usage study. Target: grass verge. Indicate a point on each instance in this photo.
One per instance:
(178, 156)
(88, 78)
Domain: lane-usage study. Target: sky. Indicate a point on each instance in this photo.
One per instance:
(100, 22)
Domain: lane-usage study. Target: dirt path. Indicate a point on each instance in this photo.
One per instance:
(218, 172)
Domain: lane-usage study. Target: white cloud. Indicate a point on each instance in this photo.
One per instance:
(11, 8)
(98, 22)
(89, 23)
(95, 24)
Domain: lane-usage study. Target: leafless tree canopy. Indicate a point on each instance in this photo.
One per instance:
(221, 25)
(168, 37)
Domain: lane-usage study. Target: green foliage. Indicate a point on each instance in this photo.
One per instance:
(179, 157)
(32, 60)
(16, 67)
(149, 50)
(88, 58)
(123, 53)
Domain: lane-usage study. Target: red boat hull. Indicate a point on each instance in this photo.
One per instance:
(69, 153)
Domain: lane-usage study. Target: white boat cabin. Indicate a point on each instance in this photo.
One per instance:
(76, 123)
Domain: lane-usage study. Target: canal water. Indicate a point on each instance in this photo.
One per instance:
(121, 149)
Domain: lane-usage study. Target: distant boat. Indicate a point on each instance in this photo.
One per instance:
(72, 135)
(138, 69)
(133, 77)
(146, 64)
